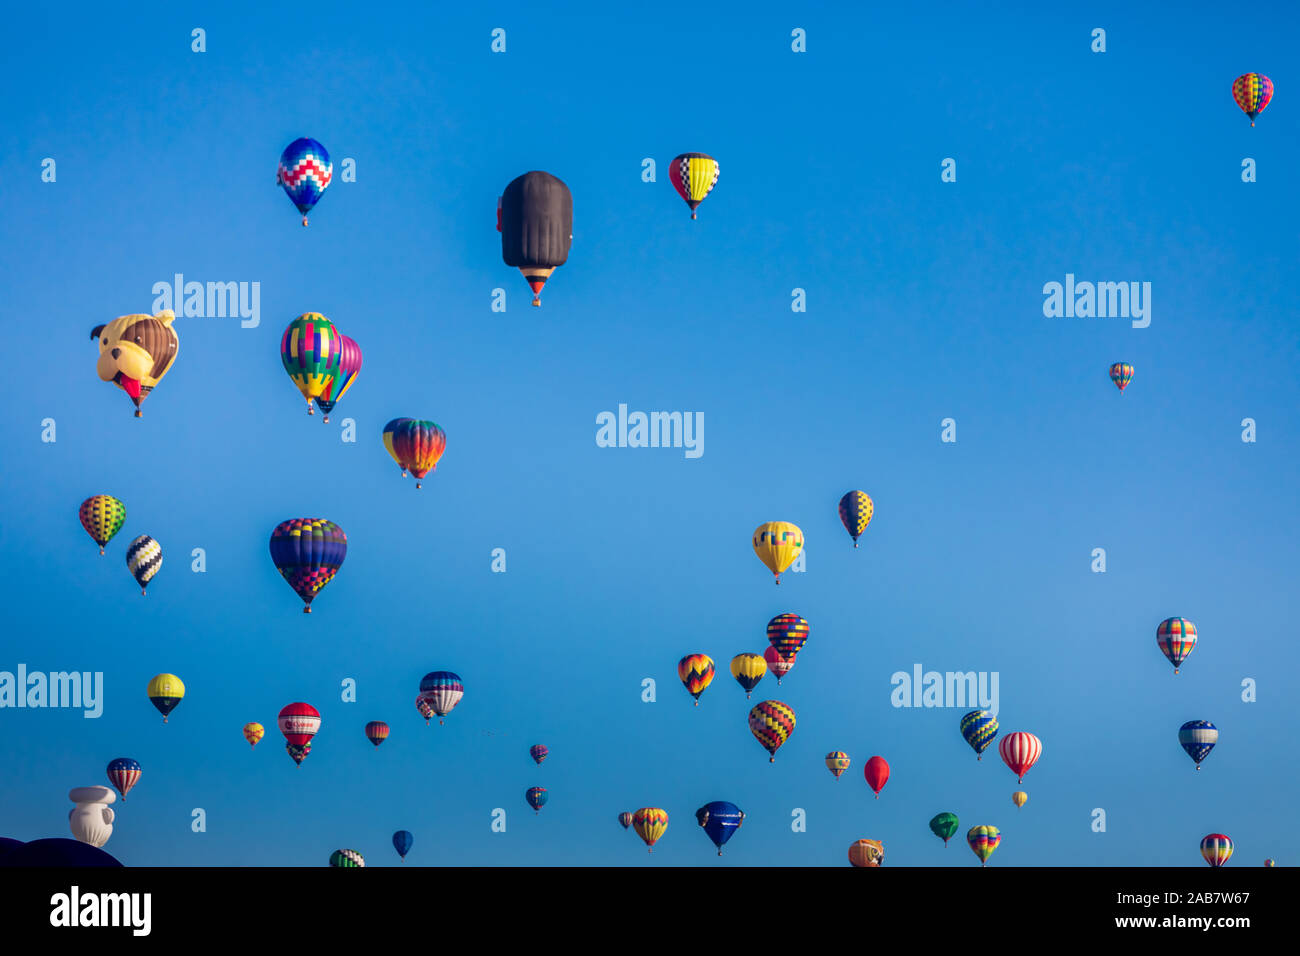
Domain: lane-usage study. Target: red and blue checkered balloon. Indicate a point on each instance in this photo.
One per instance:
(305, 172)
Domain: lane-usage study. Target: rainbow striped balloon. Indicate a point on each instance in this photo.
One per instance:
(1216, 848)
(1176, 638)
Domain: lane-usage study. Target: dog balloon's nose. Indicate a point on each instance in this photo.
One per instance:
(117, 353)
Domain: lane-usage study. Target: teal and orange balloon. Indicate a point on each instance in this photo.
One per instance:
(1252, 91)
(310, 350)
(1121, 373)
(415, 444)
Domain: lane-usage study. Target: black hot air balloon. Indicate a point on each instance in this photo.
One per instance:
(535, 219)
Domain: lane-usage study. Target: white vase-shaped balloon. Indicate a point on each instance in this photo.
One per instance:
(91, 820)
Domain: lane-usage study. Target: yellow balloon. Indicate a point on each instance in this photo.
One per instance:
(777, 544)
(1020, 798)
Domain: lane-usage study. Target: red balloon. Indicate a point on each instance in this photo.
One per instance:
(877, 773)
(299, 723)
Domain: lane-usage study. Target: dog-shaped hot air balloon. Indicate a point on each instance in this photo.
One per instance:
(135, 352)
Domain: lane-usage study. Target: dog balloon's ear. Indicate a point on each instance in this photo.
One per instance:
(96, 331)
(166, 316)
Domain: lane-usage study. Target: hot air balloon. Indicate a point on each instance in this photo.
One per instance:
(1269, 862)
(254, 732)
(346, 858)
(777, 664)
(837, 761)
(423, 707)
(304, 173)
(443, 691)
(415, 444)
(720, 820)
(1020, 751)
(136, 351)
(1217, 849)
(538, 752)
(856, 509)
(1020, 798)
(650, 824)
(535, 219)
(748, 669)
(143, 559)
(625, 819)
(299, 723)
(402, 841)
(696, 674)
(693, 175)
(297, 752)
(1252, 91)
(91, 820)
(123, 774)
(777, 544)
(788, 633)
(102, 516)
(1121, 373)
(1176, 638)
(349, 366)
(1198, 738)
(309, 351)
(866, 853)
(377, 732)
(308, 552)
(166, 691)
(944, 825)
(979, 727)
(536, 797)
(983, 840)
(771, 723)
(876, 773)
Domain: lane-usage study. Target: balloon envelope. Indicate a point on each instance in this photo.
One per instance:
(720, 820)
(402, 841)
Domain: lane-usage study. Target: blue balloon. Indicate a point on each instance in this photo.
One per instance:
(402, 841)
(720, 820)
(1198, 738)
(978, 728)
(304, 173)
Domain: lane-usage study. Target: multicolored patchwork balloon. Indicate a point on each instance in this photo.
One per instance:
(123, 773)
(979, 727)
(983, 840)
(536, 797)
(1198, 738)
(310, 350)
(344, 376)
(308, 552)
(304, 173)
(1121, 373)
(693, 175)
(102, 516)
(1216, 848)
(538, 752)
(856, 509)
(1252, 91)
(837, 761)
(443, 691)
(423, 707)
(299, 753)
(650, 823)
(415, 444)
(788, 633)
(696, 673)
(771, 723)
(143, 559)
(1176, 638)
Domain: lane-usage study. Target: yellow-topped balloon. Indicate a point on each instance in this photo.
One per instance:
(1020, 798)
(777, 544)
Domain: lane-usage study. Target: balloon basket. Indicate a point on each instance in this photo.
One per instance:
(306, 609)
(537, 301)
(101, 551)
(139, 414)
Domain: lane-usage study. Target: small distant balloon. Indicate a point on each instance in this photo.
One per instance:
(402, 841)
(253, 732)
(876, 773)
(1198, 738)
(304, 173)
(944, 825)
(143, 559)
(1121, 373)
(377, 732)
(165, 692)
(777, 544)
(696, 674)
(748, 670)
(1020, 751)
(536, 797)
(720, 820)
(771, 723)
(1020, 798)
(1176, 638)
(538, 752)
(983, 841)
(856, 509)
(1216, 848)
(837, 761)
(650, 823)
(124, 773)
(102, 516)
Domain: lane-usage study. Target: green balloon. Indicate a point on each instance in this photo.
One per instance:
(944, 826)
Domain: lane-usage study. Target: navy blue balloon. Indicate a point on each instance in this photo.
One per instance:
(57, 852)
(720, 820)
(7, 844)
(402, 841)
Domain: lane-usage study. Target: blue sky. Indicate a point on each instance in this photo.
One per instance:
(924, 302)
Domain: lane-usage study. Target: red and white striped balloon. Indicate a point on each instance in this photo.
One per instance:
(1020, 751)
